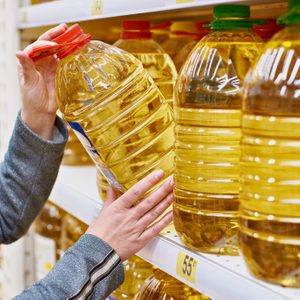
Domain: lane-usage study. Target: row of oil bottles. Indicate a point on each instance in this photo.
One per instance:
(55, 231)
(236, 113)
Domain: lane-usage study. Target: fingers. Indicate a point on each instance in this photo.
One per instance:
(111, 196)
(27, 67)
(139, 189)
(156, 212)
(156, 228)
(155, 197)
(38, 44)
(53, 32)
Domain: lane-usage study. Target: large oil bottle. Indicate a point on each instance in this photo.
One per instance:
(208, 97)
(180, 34)
(136, 272)
(47, 227)
(183, 54)
(161, 286)
(270, 176)
(71, 230)
(102, 185)
(136, 38)
(117, 112)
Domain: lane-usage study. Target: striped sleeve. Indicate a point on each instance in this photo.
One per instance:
(90, 269)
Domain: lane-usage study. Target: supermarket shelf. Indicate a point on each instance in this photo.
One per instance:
(220, 277)
(80, 10)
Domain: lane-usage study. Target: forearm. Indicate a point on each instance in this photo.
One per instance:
(89, 268)
(27, 175)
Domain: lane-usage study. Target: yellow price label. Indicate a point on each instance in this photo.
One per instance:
(186, 267)
(184, 1)
(97, 7)
(24, 17)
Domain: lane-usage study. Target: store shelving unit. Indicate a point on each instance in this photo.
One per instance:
(220, 277)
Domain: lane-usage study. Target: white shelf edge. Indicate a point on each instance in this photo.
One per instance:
(77, 10)
(219, 277)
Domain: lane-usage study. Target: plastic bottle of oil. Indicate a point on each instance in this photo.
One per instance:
(136, 272)
(180, 34)
(270, 177)
(47, 227)
(161, 286)
(136, 38)
(117, 112)
(74, 153)
(183, 54)
(102, 185)
(71, 230)
(207, 111)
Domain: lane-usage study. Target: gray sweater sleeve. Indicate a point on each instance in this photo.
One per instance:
(90, 269)
(27, 175)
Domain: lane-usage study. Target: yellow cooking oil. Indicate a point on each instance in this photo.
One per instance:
(74, 152)
(71, 230)
(117, 112)
(136, 271)
(208, 97)
(270, 177)
(136, 38)
(161, 286)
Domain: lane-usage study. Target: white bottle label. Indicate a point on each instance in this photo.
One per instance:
(45, 255)
(92, 151)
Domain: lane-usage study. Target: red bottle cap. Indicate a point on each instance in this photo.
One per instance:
(72, 39)
(267, 30)
(136, 29)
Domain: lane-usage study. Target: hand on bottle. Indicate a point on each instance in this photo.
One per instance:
(126, 227)
(37, 85)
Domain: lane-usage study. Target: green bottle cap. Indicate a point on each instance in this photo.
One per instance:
(231, 16)
(293, 14)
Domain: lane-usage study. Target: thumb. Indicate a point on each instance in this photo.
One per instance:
(111, 196)
(27, 67)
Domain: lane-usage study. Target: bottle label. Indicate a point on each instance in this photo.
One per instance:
(94, 154)
(45, 255)
(111, 298)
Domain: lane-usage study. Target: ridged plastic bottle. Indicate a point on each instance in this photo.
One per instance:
(180, 34)
(136, 38)
(71, 230)
(47, 228)
(74, 153)
(161, 286)
(102, 185)
(270, 182)
(183, 54)
(117, 112)
(136, 272)
(208, 98)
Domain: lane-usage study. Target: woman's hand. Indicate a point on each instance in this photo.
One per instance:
(37, 86)
(127, 228)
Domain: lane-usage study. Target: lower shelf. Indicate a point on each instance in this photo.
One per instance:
(219, 277)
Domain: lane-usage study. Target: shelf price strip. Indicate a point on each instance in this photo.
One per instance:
(186, 267)
(97, 7)
(184, 1)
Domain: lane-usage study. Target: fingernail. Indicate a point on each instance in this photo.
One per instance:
(158, 174)
(171, 181)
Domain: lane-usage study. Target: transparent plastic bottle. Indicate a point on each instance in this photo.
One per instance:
(207, 110)
(136, 272)
(180, 34)
(161, 286)
(71, 230)
(270, 177)
(102, 185)
(136, 38)
(183, 54)
(74, 153)
(47, 228)
(117, 112)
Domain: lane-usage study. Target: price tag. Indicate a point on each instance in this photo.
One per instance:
(186, 267)
(97, 7)
(184, 1)
(24, 17)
